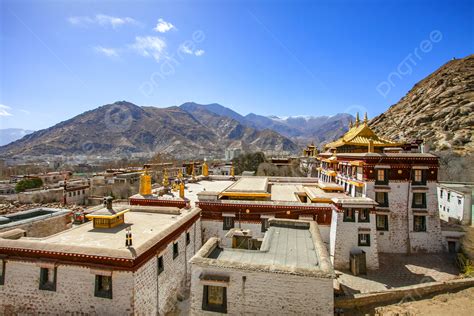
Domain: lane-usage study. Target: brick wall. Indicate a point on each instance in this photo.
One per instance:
(263, 293)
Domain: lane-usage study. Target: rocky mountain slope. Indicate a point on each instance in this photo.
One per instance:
(123, 128)
(438, 109)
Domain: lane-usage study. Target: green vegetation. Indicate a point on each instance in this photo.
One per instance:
(27, 184)
(248, 162)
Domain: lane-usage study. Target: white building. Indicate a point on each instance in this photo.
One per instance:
(231, 153)
(89, 269)
(291, 274)
(455, 201)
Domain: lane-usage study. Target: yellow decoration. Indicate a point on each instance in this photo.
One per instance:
(232, 172)
(180, 174)
(205, 169)
(400, 171)
(194, 173)
(181, 190)
(357, 120)
(145, 183)
(107, 221)
(166, 181)
(366, 119)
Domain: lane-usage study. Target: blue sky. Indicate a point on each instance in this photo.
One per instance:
(61, 58)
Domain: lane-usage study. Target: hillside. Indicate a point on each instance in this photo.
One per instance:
(123, 128)
(438, 109)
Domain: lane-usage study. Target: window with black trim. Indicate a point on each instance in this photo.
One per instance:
(381, 222)
(419, 223)
(364, 215)
(48, 279)
(381, 198)
(2, 271)
(161, 265)
(419, 177)
(175, 250)
(214, 299)
(419, 200)
(228, 222)
(264, 224)
(188, 238)
(381, 176)
(103, 286)
(364, 240)
(349, 215)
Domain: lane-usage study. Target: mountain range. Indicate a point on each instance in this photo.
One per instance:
(188, 131)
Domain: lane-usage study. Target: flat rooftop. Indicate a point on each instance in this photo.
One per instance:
(288, 247)
(282, 246)
(192, 189)
(286, 192)
(148, 226)
(249, 184)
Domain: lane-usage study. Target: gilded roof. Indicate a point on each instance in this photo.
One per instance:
(361, 135)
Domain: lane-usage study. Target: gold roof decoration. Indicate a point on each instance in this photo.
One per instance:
(361, 135)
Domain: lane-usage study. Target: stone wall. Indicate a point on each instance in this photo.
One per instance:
(400, 237)
(262, 293)
(44, 227)
(345, 238)
(74, 291)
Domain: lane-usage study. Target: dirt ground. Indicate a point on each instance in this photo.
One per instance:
(459, 304)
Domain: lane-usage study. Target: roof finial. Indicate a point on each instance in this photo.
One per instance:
(350, 124)
(357, 120)
(366, 120)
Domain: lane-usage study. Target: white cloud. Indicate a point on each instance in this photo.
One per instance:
(189, 50)
(199, 52)
(185, 49)
(25, 111)
(4, 110)
(102, 20)
(162, 26)
(109, 52)
(149, 46)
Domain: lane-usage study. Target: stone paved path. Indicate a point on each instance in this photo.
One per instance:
(398, 270)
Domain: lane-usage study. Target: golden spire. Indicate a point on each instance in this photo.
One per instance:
(166, 181)
(232, 172)
(366, 120)
(205, 169)
(145, 183)
(181, 190)
(357, 120)
(350, 124)
(180, 174)
(194, 172)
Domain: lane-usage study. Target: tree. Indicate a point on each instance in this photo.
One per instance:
(27, 184)
(248, 162)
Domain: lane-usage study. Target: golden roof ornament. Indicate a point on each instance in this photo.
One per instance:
(366, 119)
(166, 181)
(357, 120)
(350, 124)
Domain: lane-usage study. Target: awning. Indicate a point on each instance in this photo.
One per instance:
(357, 184)
(358, 163)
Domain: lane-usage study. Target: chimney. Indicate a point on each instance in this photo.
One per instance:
(371, 146)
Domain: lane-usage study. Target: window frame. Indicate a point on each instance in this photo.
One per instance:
(360, 244)
(423, 227)
(423, 200)
(160, 264)
(175, 250)
(212, 307)
(346, 218)
(3, 264)
(44, 283)
(385, 197)
(100, 292)
(228, 225)
(361, 211)
(422, 179)
(385, 176)
(380, 228)
(188, 238)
